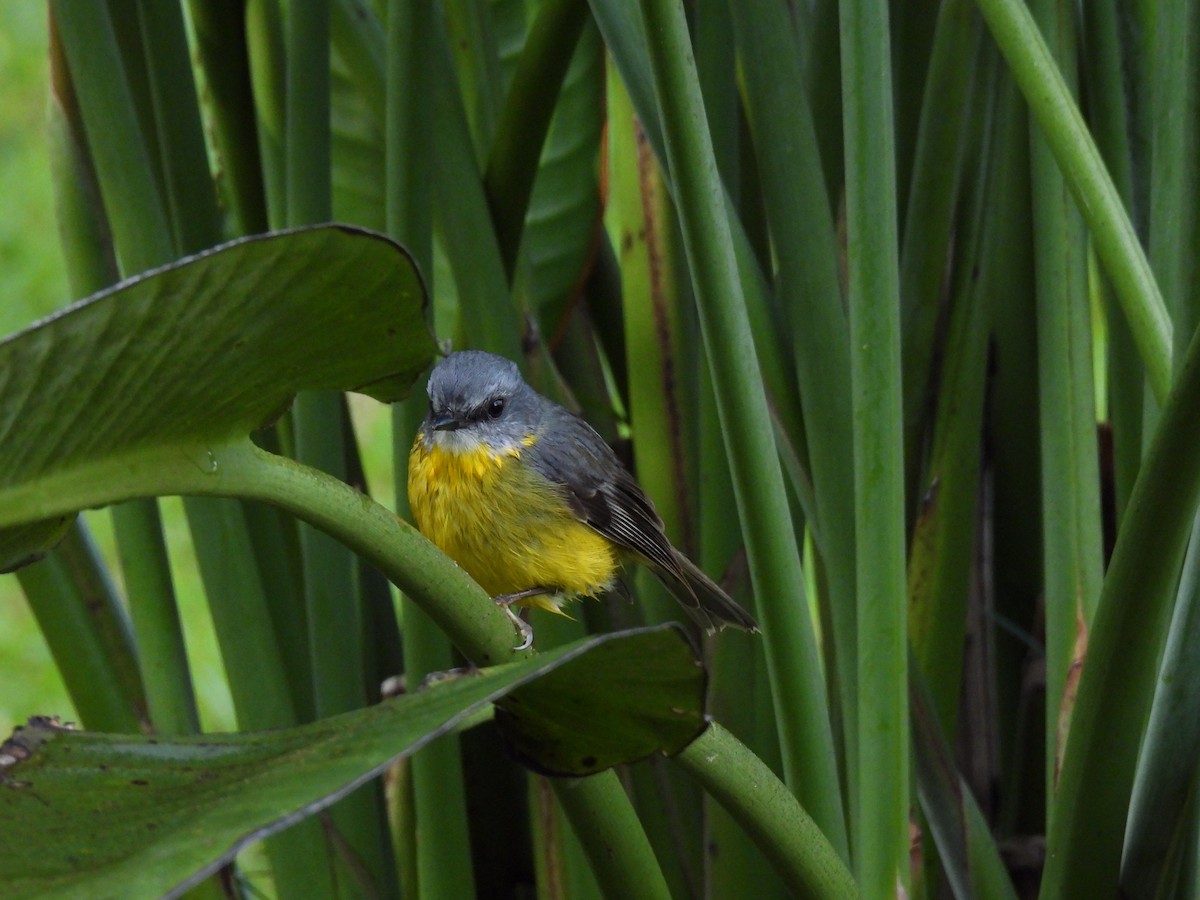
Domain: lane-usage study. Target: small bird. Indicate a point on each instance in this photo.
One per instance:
(531, 501)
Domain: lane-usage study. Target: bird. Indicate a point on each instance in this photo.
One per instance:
(532, 502)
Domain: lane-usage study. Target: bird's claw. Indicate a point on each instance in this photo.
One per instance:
(505, 602)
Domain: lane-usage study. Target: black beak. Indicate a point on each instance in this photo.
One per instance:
(447, 423)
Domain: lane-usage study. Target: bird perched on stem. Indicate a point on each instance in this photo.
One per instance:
(531, 501)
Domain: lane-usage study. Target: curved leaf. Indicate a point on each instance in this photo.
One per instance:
(130, 815)
(625, 703)
(185, 357)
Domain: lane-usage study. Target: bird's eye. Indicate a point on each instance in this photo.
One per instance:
(496, 407)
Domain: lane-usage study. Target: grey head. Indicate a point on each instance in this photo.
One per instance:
(476, 396)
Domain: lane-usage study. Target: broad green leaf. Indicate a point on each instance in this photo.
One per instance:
(632, 703)
(128, 815)
(172, 364)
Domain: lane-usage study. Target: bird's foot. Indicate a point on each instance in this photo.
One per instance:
(506, 601)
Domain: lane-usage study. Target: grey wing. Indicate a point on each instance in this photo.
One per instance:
(600, 489)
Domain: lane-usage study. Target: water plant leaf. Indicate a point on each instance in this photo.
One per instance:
(625, 702)
(178, 361)
(97, 815)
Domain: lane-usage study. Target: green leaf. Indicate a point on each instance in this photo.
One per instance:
(626, 703)
(1166, 766)
(1087, 828)
(171, 364)
(139, 816)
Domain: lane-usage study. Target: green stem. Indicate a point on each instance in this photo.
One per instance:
(763, 806)
(441, 836)
(84, 625)
(809, 291)
(880, 808)
(525, 119)
(188, 191)
(612, 836)
(1112, 112)
(1173, 173)
(141, 236)
(1069, 140)
(307, 148)
(1088, 822)
(771, 545)
(1070, 477)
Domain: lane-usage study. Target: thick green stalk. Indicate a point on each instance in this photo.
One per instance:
(558, 859)
(332, 599)
(307, 148)
(360, 43)
(84, 624)
(442, 841)
(1174, 175)
(600, 812)
(1070, 474)
(760, 802)
(525, 119)
(141, 237)
(93, 647)
(127, 29)
(624, 36)
(771, 545)
(141, 232)
(808, 289)
(880, 808)
(1088, 823)
(1159, 815)
(1069, 140)
(1112, 108)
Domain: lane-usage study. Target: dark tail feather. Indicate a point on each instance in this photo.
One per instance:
(703, 598)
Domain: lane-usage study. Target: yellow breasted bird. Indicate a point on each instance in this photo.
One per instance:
(531, 501)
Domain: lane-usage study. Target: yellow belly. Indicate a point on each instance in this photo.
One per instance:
(506, 526)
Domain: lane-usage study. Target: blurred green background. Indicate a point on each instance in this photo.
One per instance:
(33, 283)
